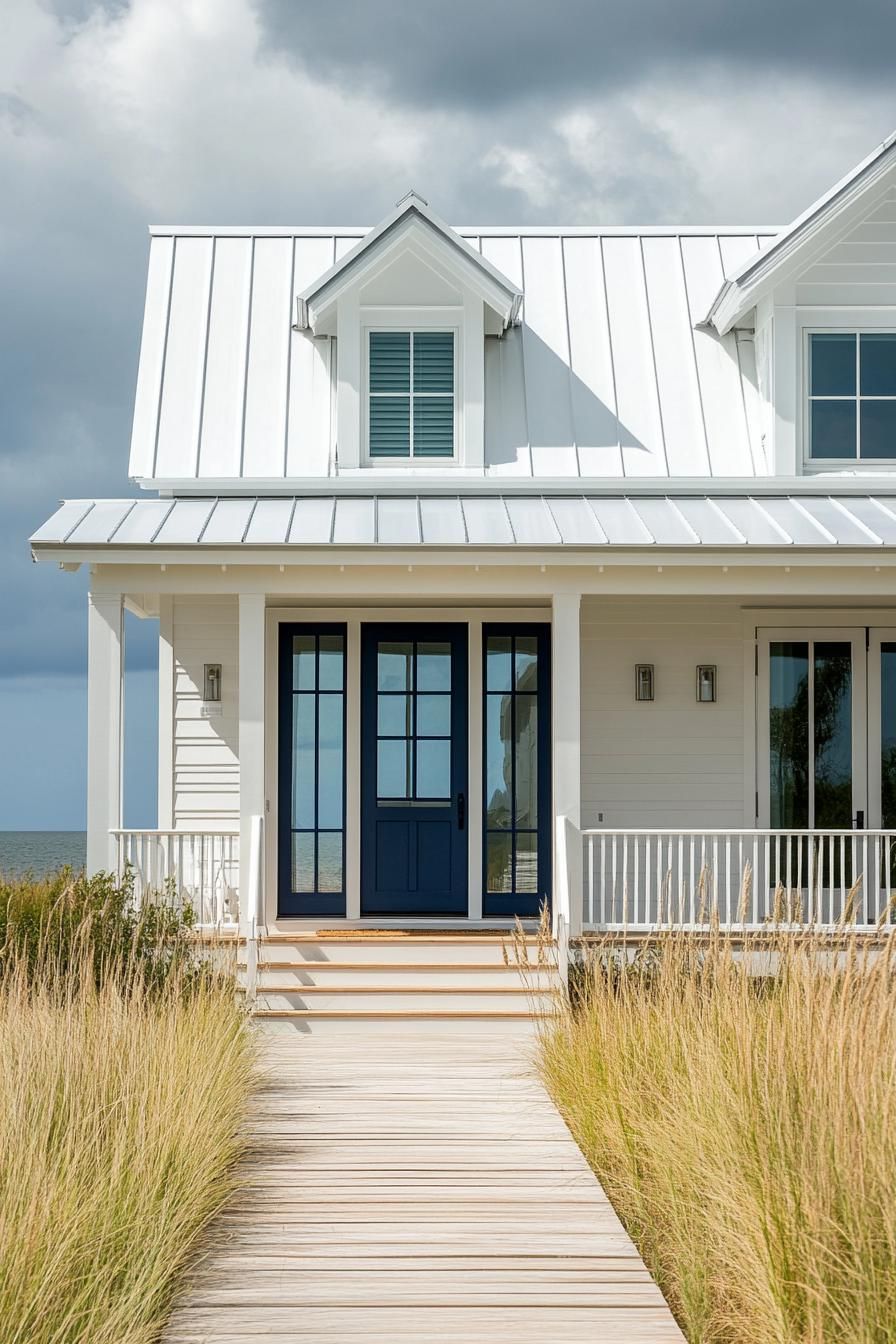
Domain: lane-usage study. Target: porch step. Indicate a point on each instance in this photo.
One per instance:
(316, 949)
(328, 975)
(326, 981)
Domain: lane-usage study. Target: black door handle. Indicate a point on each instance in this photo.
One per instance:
(859, 820)
(461, 811)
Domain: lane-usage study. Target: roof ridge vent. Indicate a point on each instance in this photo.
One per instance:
(411, 195)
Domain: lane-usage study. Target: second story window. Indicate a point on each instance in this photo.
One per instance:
(411, 395)
(852, 396)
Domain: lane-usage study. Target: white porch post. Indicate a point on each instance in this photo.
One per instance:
(105, 675)
(566, 729)
(251, 729)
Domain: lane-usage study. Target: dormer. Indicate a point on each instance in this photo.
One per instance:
(409, 307)
(820, 302)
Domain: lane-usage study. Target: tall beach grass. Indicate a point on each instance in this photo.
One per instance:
(744, 1126)
(125, 1074)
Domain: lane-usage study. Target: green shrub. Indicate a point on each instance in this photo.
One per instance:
(66, 920)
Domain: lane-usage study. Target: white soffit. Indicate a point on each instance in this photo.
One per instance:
(491, 521)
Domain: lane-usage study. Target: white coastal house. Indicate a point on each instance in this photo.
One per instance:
(501, 566)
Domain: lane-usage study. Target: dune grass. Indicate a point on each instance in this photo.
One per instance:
(744, 1127)
(125, 1073)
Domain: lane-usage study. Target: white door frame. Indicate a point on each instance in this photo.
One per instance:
(353, 617)
(811, 634)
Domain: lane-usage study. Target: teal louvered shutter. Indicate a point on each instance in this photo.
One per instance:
(390, 389)
(411, 401)
(434, 394)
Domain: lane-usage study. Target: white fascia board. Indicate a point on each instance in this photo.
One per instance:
(367, 481)
(499, 292)
(813, 231)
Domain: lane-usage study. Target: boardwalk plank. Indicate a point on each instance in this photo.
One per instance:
(415, 1187)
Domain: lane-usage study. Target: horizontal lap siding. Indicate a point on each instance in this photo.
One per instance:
(206, 760)
(672, 762)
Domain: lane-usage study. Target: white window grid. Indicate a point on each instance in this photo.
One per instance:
(412, 394)
(855, 400)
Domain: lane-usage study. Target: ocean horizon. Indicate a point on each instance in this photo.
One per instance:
(41, 852)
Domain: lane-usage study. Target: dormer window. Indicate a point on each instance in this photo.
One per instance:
(411, 380)
(852, 396)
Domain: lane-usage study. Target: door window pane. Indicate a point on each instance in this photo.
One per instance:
(525, 661)
(393, 774)
(330, 761)
(433, 667)
(393, 666)
(832, 703)
(498, 862)
(433, 768)
(497, 663)
(303, 861)
(526, 862)
(393, 715)
(434, 715)
(304, 660)
(331, 661)
(789, 734)
(526, 763)
(329, 861)
(304, 742)
(498, 762)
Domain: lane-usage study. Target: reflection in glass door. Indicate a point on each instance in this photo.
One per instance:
(813, 734)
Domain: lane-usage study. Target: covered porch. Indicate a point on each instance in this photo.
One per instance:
(693, 716)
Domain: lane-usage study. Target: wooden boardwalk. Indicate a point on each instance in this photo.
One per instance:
(406, 1186)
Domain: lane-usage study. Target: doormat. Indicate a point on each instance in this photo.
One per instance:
(498, 932)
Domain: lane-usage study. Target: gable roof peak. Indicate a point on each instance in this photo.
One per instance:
(837, 210)
(411, 197)
(412, 212)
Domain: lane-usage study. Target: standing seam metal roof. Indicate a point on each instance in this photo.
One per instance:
(577, 520)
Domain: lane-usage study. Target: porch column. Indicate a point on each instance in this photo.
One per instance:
(251, 730)
(105, 674)
(566, 729)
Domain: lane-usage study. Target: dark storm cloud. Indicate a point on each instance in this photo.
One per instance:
(482, 53)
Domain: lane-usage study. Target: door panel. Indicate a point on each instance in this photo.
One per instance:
(414, 769)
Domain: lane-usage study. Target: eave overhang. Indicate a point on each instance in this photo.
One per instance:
(565, 528)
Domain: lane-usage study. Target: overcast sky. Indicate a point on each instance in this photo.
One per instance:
(116, 115)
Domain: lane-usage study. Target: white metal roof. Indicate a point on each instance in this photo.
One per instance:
(607, 376)
(484, 520)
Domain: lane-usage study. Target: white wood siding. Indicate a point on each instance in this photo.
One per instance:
(861, 268)
(206, 761)
(671, 762)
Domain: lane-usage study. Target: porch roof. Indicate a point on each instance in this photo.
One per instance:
(597, 521)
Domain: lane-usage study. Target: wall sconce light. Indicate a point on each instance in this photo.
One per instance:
(706, 683)
(644, 681)
(212, 684)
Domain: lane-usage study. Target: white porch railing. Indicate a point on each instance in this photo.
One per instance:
(647, 879)
(199, 868)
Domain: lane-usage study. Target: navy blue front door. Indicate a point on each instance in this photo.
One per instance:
(414, 770)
